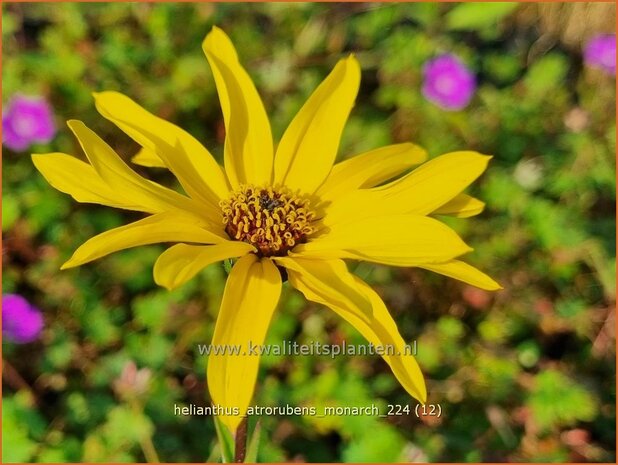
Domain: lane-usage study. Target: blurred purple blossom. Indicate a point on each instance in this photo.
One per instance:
(448, 83)
(27, 120)
(600, 52)
(21, 322)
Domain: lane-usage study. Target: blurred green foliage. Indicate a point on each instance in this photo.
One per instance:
(526, 374)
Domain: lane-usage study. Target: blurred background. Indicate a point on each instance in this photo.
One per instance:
(95, 358)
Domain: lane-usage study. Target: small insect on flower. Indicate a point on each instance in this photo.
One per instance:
(268, 203)
(290, 209)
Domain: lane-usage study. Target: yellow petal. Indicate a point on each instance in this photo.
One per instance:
(422, 191)
(198, 172)
(119, 177)
(248, 144)
(329, 283)
(464, 272)
(148, 158)
(161, 227)
(249, 300)
(181, 262)
(309, 146)
(462, 206)
(78, 179)
(399, 240)
(370, 169)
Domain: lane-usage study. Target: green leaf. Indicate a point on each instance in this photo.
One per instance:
(451, 328)
(126, 424)
(382, 443)
(9, 24)
(17, 447)
(254, 443)
(502, 67)
(226, 442)
(228, 263)
(570, 308)
(150, 349)
(546, 74)
(60, 352)
(557, 401)
(605, 267)
(10, 211)
(553, 225)
(151, 311)
(99, 326)
(476, 16)
(45, 209)
(53, 455)
(528, 353)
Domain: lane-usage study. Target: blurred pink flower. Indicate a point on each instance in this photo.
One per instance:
(448, 83)
(27, 120)
(21, 321)
(600, 52)
(131, 380)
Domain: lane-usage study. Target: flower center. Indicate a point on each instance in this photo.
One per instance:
(272, 219)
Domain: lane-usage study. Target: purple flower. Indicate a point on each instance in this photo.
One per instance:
(21, 322)
(26, 120)
(448, 83)
(600, 52)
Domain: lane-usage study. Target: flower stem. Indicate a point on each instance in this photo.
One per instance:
(145, 441)
(240, 440)
(149, 450)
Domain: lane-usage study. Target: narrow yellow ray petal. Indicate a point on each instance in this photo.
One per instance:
(422, 191)
(329, 283)
(148, 158)
(462, 206)
(161, 227)
(117, 174)
(181, 262)
(464, 272)
(196, 169)
(309, 146)
(79, 179)
(249, 300)
(248, 144)
(399, 240)
(370, 169)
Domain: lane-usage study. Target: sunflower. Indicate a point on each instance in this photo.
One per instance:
(288, 211)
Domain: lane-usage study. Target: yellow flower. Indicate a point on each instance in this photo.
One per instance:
(288, 208)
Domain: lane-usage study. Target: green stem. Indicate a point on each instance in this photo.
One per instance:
(149, 450)
(225, 441)
(145, 442)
